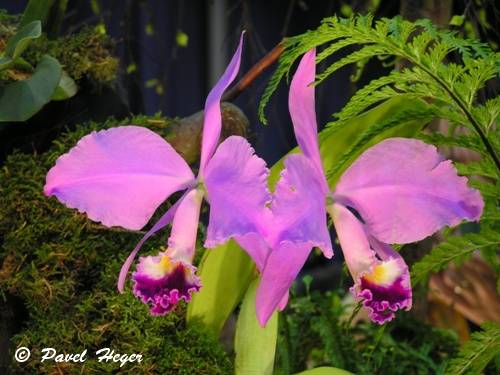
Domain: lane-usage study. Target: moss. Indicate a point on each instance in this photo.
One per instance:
(85, 54)
(64, 267)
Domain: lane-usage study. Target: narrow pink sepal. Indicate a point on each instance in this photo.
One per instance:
(301, 104)
(212, 122)
(182, 240)
(282, 267)
(166, 219)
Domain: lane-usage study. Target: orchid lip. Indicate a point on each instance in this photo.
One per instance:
(384, 290)
(162, 282)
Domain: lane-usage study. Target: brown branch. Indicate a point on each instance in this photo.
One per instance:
(264, 63)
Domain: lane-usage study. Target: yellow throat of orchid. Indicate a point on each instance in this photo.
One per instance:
(159, 269)
(384, 273)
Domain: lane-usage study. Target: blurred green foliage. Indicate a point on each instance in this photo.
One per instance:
(314, 332)
(86, 54)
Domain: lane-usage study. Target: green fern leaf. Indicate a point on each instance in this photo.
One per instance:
(482, 347)
(453, 249)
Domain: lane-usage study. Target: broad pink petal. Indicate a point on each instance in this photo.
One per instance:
(281, 269)
(118, 176)
(212, 122)
(299, 206)
(381, 277)
(182, 240)
(405, 191)
(235, 180)
(301, 104)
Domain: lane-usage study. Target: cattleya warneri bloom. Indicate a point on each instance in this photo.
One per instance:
(121, 176)
(402, 189)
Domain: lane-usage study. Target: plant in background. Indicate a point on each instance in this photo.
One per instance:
(23, 98)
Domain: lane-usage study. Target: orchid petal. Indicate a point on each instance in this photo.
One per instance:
(182, 240)
(381, 277)
(358, 255)
(162, 281)
(299, 206)
(118, 176)
(301, 105)
(212, 122)
(255, 246)
(404, 191)
(236, 185)
(282, 267)
(166, 219)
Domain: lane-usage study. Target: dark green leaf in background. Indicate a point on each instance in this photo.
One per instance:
(21, 100)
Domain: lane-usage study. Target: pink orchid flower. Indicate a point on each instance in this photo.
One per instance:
(402, 189)
(120, 176)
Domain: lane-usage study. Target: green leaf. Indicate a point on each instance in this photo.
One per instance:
(66, 88)
(325, 371)
(20, 40)
(254, 345)
(337, 142)
(482, 347)
(5, 62)
(457, 20)
(454, 248)
(36, 10)
(225, 273)
(21, 100)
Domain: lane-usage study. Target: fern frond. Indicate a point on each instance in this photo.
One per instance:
(438, 139)
(484, 167)
(452, 87)
(482, 347)
(453, 249)
(488, 190)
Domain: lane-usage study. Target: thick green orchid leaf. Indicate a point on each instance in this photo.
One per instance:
(20, 40)
(226, 273)
(21, 100)
(254, 345)
(325, 371)
(66, 88)
(340, 147)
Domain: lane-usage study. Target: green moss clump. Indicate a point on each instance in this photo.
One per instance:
(64, 268)
(85, 54)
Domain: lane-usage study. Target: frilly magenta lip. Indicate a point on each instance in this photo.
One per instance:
(161, 282)
(385, 290)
